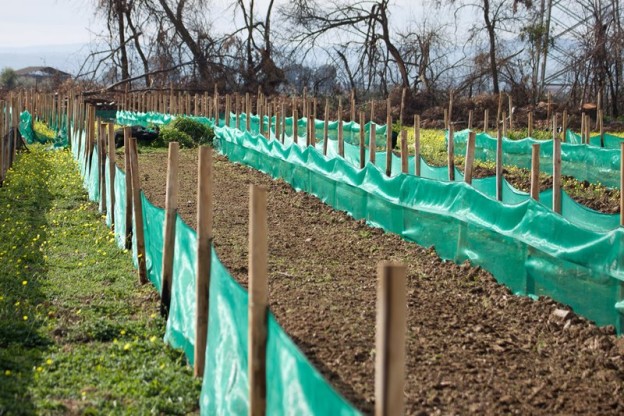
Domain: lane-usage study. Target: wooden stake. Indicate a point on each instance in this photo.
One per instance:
(535, 171)
(389, 146)
(500, 109)
(390, 339)
(446, 120)
(128, 177)
(451, 154)
(404, 166)
(111, 171)
(556, 174)
(372, 142)
(171, 211)
(470, 120)
(450, 109)
(469, 162)
(486, 121)
(204, 256)
(352, 118)
(340, 133)
(583, 127)
(138, 211)
(499, 165)
(102, 164)
(601, 128)
(416, 145)
(295, 126)
(362, 142)
(504, 124)
(530, 124)
(564, 125)
(326, 128)
(258, 299)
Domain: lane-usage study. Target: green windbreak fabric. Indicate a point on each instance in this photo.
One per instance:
(526, 247)
(153, 225)
(180, 332)
(585, 163)
(120, 207)
(294, 386)
(26, 130)
(610, 141)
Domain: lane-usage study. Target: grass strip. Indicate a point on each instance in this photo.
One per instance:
(78, 334)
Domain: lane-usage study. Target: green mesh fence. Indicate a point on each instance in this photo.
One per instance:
(585, 163)
(294, 385)
(526, 246)
(514, 154)
(610, 141)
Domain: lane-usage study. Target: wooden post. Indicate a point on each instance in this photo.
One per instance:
(258, 299)
(247, 112)
(556, 174)
(470, 120)
(504, 124)
(389, 146)
(583, 127)
(362, 142)
(204, 264)
(402, 106)
(601, 128)
(390, 339)
(416, 145)
(404, 167)
(530, 124)
(169, 230)
(295, 126)
(111, 171)
(500, 109)
(451, 154)
(587, 128)
(535, 171)
(486, 121)
(102, 164)
(469, 162)
(372, 110)
(340, 133)
(372, 142)
(499, 165)
(352, 118)
(446, 120)
(128, 177)
(450, 109)
(326, 128)
(564, 125)
(138, 211)
(621, 184)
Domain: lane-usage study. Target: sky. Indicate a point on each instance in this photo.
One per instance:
(45, 22)
(58, 32)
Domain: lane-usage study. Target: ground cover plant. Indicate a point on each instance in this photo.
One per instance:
(473, 347)
(78, 334)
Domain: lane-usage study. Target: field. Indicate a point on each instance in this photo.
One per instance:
(473, 347)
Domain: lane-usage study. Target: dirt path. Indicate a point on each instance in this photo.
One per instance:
(472, 346)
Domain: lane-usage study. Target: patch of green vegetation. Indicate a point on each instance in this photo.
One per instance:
(78, 334)
(43, 131)
(186, 131)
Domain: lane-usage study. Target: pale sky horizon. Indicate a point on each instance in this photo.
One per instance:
(61, 22)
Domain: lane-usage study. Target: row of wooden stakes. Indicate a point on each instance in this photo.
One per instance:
(392, 303)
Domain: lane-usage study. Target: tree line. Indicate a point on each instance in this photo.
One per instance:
(280, 46)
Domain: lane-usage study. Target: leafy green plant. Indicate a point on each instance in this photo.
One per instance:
(199, 133)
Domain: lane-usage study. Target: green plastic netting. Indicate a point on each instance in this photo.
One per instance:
(526, 246)
(294, 384)
(585, 163)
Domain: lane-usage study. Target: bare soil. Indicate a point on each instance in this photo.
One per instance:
(472, 347)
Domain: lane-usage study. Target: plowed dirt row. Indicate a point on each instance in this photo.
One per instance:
(472, 347)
